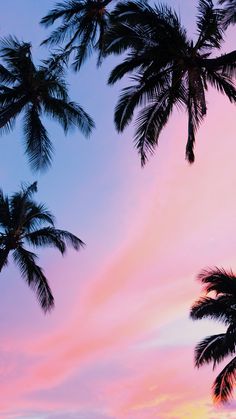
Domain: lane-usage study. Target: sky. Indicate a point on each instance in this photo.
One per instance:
(119, 343)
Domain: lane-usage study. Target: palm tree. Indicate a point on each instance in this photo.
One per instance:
(166, 68)
(221, 306)
(25, 222)
(84, 23)
(229, 12)
(36, 91)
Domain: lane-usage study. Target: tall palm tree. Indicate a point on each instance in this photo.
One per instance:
(84, 23)
(23, 222)
(166, 68)
(229, 12)
(221, 306)
(36, 91)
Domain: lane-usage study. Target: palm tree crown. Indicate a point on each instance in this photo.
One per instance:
(36, 91)
(167, 69)
(229, 12)
(25, 222)
(84, 23)
(221, 307)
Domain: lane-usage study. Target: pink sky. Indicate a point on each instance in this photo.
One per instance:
(119, 344)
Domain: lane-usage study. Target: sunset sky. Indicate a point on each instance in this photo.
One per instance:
(119, 343)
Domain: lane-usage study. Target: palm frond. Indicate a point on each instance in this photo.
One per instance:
(16, 54)
(229, 12)
(85, 47)
(54, 85)
(159, 24)
(46, 237)
(130, 98)
(34, 277)
(218, 280)
(64, 10)
(9, 113)
(196, 106)
(209, 24)
(222, 83)
(3, 258)
(5, 215)
(225, 63)
(38, 145)
(6, 76)
(11, 95)
(100, 45)
(36, 216)
(54, 108)
(27, 190)
(49, 236)
(70, 239)
(60, 34)
(57, 61)
(149, 88)
(150, 121)
(221, 308)
(20, 203)
(77, 117)
(129, 64)
(224, 382)
(214, 349)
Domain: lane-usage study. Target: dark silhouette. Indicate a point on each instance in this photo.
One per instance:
(167, 69)
(36, 91)
(219, 306)
(25, 222)
(84, 23)
(229, 12)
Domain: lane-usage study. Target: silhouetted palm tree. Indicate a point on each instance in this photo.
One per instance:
(36, 91)
(84, 23)
(25, 222)
(229, 12)
(221, 306)
(167, 69)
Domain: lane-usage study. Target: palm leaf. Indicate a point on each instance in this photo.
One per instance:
(218, 280)
(61, 34)
(46, 236)
(214, 349)
(36, 215)
(9, 113)
(52, 237)
(222, 83)
(130, 64)
(77, 117)
(209, 24)
(16, 54)
(38, 145)
(34, 277)
(224, 382)
(6, 76)
(65, 10)
(221, 308)
(229, 12)
(85, 47)
(150, 121)
(3, 258)
(5, 215)
(70, 239)
(225, 62)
